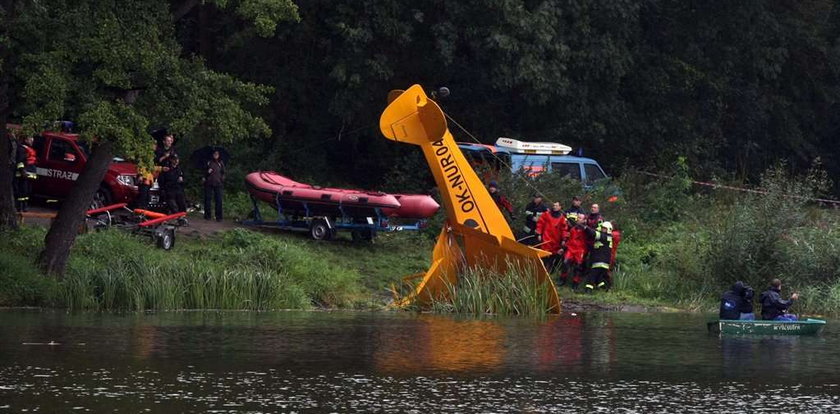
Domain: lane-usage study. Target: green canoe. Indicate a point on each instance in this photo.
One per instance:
(736, 327)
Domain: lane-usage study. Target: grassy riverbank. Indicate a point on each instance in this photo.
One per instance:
(239, 269)
(683, 244)
(681, 248)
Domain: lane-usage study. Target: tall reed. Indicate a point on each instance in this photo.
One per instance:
(482, 290)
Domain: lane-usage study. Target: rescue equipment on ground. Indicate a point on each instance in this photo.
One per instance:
(475, 233)
(160, 227)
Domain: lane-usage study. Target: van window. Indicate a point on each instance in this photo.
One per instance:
(593, 172)
(567, 169)
(529, 162)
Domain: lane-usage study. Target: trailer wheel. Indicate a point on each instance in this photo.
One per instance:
(319, 230)
(361, 235)
(166, 240)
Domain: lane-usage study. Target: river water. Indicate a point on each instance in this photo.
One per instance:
(51, 361)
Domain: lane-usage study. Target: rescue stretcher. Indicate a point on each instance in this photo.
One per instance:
(160, 227)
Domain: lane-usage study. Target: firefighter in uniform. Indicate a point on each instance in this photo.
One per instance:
(533, 211)
(25, 173)
(599, 258)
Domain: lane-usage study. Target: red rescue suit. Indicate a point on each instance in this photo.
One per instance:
(574, 256)
(576, 245)
(551, 226)
(616, 238)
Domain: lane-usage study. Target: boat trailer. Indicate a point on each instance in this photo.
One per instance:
(321, 227)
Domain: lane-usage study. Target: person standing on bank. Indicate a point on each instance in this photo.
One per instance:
(25, 158)
(213, 179)
(165, 151)
(551, 233)
(533, 211)
(576, 208)
(172, 182)
(501, 201)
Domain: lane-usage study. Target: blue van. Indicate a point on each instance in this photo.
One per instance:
(550, 157)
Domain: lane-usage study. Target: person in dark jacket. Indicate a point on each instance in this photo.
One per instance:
(594, 217)
(736, 303)
(172, 182)
(165, 151)
(501, 201)
(576, 206)
(533, 211)
(593, 220)
(213, 179)
(599, 256)
(773, 307)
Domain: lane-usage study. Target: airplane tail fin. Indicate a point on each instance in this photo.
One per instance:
(412, 118)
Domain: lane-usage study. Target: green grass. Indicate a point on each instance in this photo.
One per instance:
(240, 269)
(681, 248)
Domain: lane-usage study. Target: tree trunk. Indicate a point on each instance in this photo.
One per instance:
(8, 218)
(62, 233)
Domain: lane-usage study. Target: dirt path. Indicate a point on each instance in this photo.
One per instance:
(198, 227)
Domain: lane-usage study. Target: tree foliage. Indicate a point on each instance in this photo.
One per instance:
(732, 86)
(117, 69)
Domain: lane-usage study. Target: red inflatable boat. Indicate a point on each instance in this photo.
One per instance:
(306, 200)
(413, 206)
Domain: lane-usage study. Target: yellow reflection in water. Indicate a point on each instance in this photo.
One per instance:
(437, 343)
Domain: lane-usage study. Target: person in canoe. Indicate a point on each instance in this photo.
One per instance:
(736, 303)
(773, 307)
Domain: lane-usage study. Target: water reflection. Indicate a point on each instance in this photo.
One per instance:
(398, 362)
(765, 356)
(439, 343)
(566, 344)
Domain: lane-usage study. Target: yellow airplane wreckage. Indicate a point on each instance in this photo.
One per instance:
(475, 234)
